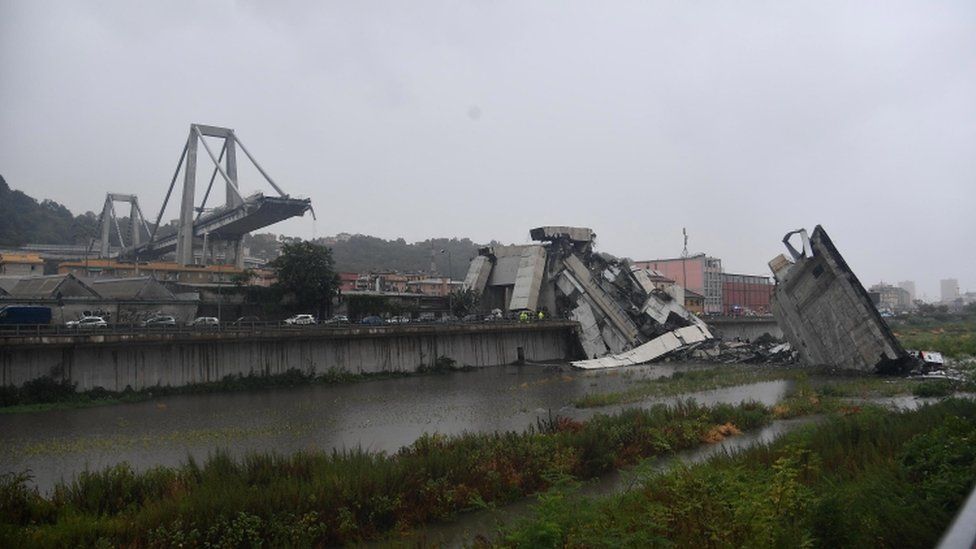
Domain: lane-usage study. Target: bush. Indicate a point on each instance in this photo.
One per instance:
(933, 388)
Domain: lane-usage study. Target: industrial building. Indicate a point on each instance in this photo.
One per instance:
(746, 295)
(699, 273)
(121, 300)
(21, 264)
(163, 271)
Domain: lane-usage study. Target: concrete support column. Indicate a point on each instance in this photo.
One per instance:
(238, 246)
(184, 234)
(231, 157)
(106, 223)
(134, 221)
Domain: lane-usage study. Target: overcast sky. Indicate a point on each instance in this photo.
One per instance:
(737, 120)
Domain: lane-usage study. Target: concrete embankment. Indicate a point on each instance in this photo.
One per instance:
(115, 361)
(745, 328)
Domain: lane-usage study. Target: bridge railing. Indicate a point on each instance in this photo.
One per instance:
(242, 329)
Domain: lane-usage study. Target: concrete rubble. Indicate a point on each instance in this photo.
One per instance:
(826, 314)
(624, 319)
(735, 352)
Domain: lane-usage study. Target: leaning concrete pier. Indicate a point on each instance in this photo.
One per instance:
(115, 361)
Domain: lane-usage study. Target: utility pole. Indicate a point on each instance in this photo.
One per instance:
(684, 258)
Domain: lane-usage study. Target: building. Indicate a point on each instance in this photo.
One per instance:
(440, 286)
(891, 298)
(347, 282)
(699, 273)
(145, 288)
(388, 282)
(908, 286)
(21, 264)
(746, 295)
(949, 290)
(125, 301)
(161, 271)
(694, 302)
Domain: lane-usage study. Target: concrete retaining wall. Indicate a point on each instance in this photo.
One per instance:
(175, 360)
(744, 328)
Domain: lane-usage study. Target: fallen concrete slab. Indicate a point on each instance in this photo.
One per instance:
(654, 349)
(826, 314)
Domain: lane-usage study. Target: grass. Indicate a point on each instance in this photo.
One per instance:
(46, 393)
(320, 498)
(953, 338)
(870, 478)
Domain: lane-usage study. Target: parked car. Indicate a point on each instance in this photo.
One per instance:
(337, 319)
(205, 322)
(300, 320)
(471, 318)
(372, 321)
(87, 322)
(399, 320)
(427, 317)
(162, 321)
(245, 320)
(494, 316)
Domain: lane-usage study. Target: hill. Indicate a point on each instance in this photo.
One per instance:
(23, 219)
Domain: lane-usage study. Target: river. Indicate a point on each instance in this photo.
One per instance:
(380, 415)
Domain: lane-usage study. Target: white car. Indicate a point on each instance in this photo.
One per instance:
(87, 322)
(205, 321)
(300, 320)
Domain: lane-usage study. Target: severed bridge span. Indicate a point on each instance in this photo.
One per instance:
(199, 227)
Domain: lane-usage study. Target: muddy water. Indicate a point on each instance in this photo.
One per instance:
(377, 415)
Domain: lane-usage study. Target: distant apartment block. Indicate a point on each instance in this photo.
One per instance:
(892, 298)
(949, 290)
(908, 286)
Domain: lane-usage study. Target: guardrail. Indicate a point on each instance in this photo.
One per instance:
(243, 329)
(962, 532)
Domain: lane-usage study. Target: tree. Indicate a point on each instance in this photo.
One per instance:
(244, 277)
(307, 271)
(464, 302)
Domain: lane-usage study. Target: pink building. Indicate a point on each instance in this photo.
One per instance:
(698, 273)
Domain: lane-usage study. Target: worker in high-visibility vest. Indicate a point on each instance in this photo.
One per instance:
(542, 315)
(524, 317)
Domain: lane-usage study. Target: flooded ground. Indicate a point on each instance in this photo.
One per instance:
(379, 415)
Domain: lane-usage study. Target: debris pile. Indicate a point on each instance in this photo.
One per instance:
(736, 352)
(624, 316)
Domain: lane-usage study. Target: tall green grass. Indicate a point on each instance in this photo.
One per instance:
(342, 497)
(870, 479)
(954, 338)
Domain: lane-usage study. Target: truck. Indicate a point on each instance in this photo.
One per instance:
(14, 315)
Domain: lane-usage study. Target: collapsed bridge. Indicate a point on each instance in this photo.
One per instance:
(624, 318)
(198, 226)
